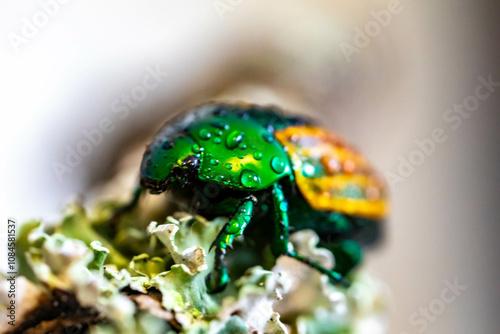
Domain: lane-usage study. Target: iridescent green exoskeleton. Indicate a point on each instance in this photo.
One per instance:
(290, 174)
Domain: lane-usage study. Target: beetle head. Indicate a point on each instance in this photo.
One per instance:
(169, 164)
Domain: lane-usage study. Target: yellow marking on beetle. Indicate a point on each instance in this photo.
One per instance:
(331, 175)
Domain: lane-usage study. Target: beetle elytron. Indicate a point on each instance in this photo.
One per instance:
(281, 168)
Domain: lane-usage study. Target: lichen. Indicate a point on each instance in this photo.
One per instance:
(150, 279)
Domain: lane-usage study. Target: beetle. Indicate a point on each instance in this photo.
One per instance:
(282, 168)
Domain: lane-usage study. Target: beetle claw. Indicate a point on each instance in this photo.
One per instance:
(216, 281)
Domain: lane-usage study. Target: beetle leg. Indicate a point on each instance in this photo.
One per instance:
(333, 275)
(280, 246)
(217, 280)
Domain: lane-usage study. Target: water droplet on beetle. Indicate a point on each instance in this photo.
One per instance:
(278, 164)
(268, 137)
(233, 139)
(205, 134)
(197, 149)
(257, 155)
(308, 170)
(249, 179)
(220, 125)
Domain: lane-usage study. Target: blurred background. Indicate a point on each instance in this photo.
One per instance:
(384, 74)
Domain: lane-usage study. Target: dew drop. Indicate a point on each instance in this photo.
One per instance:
(229, 166)
(249, 179)
(268, 137)
(214, 162)
(233, 139)
(242, 146)
(216, 140)
(241, 156)
(331, 164)
(278, 165)
(308, 170)
(220, 125)
(197, 149)
(257, 155)
(205, 134)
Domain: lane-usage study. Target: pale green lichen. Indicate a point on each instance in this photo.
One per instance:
(150, 279)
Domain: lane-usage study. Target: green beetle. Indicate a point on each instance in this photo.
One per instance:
(277, 167)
